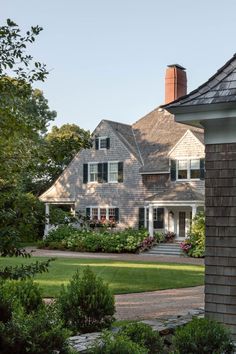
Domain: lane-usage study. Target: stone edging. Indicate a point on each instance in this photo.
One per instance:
(164, 325)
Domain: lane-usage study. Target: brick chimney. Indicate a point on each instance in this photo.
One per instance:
(175, 82)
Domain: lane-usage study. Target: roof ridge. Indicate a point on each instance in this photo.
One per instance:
(113, 121)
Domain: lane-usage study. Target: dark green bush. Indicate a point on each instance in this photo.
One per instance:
(40, 332)
(117, 344)
(194, 245)
(14, 293)
(60, 233)
(86, 304)
(143, 335)
(203, 336)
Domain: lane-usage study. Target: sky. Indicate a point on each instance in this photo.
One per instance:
(107, 58)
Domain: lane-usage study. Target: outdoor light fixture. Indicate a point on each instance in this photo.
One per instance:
(171, 213)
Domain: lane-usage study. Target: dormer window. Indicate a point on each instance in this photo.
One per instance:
(102, 143)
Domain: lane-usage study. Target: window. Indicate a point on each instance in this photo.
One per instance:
(94, 214)
(113, 172)
(194, 169)
(111, 214)
(93, 172)
(182, 169)
(103, 214)
(188, 169)
(102, 143)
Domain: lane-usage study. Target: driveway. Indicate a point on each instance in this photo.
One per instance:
(116, 256)
(156, 304)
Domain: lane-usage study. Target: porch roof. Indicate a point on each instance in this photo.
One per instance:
(178, 192)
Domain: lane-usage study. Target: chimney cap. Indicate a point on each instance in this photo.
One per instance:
(177, 66)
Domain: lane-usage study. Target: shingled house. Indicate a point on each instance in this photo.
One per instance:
(150, 173)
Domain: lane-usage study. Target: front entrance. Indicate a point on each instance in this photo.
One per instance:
(182, 224)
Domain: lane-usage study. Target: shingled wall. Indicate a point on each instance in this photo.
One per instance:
(220, 278)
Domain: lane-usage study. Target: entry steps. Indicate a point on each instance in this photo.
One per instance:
(166, 249)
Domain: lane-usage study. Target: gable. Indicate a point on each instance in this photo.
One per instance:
(189, 146)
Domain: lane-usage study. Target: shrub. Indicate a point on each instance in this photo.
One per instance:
(16, 293)
(144, 335)
(60, 233)
(86, 304)
(194, 245)
(202, 336)
(40, 332)
(118, 344)
(169, 237)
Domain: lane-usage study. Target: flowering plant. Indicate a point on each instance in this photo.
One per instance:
(185, 246)
(169, 237)
(147, 243)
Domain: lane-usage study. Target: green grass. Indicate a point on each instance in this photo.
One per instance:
(122, 276)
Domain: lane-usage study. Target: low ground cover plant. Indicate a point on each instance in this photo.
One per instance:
(80, 240)
(86, 304)
(194, 245)
(203, 336)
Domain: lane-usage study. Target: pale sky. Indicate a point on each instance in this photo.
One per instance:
(107, 58)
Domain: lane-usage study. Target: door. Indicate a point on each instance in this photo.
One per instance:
(182, 223)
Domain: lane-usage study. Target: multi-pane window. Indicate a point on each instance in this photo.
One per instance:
(93, 172)
(94, 213)
(194, 169)
(103, 214)
(182, 169)
(188, 169)
(158, 218)
(113, 172)
(111, 214)
(102, 143)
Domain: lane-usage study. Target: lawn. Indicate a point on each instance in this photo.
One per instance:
(122, 276)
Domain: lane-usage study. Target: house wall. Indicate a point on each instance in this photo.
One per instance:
(189, 147)
(127, 196)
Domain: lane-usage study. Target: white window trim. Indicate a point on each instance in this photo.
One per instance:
(99, 210)
(108, 171)
(89, 164)
(188, 170)
(99, 142)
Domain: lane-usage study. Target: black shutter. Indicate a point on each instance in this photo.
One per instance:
(100, 174)
(108, 143)
(173, 170)
(117, 215)
(88, 213)
(105, 172)
(96, 143)
(85, 173)
(159, 223)
(120, 172)
(202, 168)
(141, 218)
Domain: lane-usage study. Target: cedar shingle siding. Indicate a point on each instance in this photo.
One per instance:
(221, 233)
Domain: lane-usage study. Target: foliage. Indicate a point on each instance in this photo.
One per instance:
(194, 245)
(22, 293)
(81, 240)
(169, 236)
(116, 344)
(203, 336)
(144, 335)
(39, 332)
(86, 304)
(159, 237)
(147, 243)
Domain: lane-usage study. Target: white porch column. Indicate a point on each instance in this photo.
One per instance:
(166, 219)
(47, 213)
(194, 211)
(150, 221)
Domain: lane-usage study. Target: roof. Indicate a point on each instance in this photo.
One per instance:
(178, 192)
(126, 134)
(220, 88)
(156, 134)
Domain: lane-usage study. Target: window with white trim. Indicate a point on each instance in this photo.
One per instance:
(93, 172)
(94, 213)
(102, 143)
(111, 214)
(103, 214)
(113, 171)
(188, 169)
